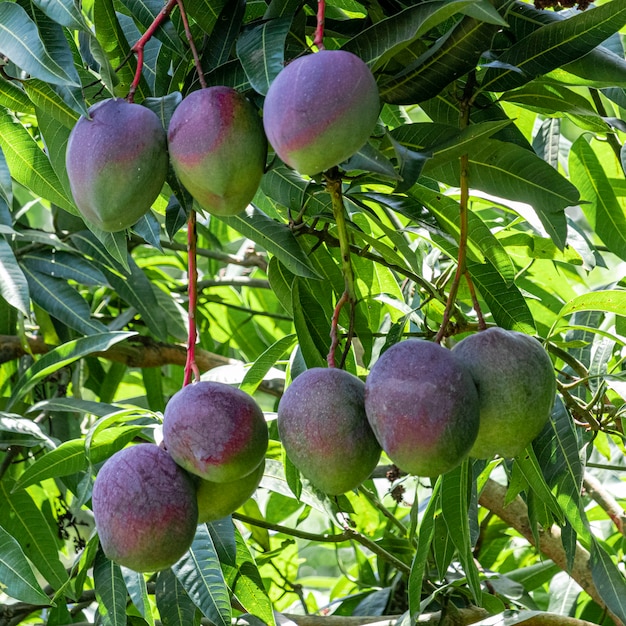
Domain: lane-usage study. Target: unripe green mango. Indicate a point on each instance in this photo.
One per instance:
(516, 388)
(116, 162)
(218, 149)
(422, 404)
(320, 110)
(145, 508)
(323, 428)
(217, 500)
(215, 431)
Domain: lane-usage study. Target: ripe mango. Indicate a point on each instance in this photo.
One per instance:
(516, 389)
(323, 427)
(215, 431)
(422, 404)
(145, 508)
(116, 162)
(320, 110)
(218, 149)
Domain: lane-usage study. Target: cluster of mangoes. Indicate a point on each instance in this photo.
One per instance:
(318, 112)
(426, 406)
(148, 499)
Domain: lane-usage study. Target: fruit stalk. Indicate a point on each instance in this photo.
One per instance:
(192, 45)
(319, 30)
(333, 186)
(138, 48)
(191, 367)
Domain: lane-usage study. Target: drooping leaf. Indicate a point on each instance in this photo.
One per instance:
(18, 579)
(609, 579)
(261, 51)
(276, 238)
(20, 42)
(200, 574)
(174, 605)
(110, 591)
(258, 370)
(553, 45)
(601, 208)
(28, 164)
(60, 357)
(138, 592)
(13, 284)
(66, 266)
(64, 12)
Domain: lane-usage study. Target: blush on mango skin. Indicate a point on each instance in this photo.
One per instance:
(320, 110)
(324, 430)
(422, 404)
(215, 431)
(145, 508)
(218, 149)
(117, 163)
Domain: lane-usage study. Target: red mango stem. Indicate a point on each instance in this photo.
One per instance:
(482, 325)
(191, 367)
(138, 48)
(319, 30)
(192, 45)
(334, 330)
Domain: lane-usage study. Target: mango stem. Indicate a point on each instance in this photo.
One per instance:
(191, 367)
(319, 30)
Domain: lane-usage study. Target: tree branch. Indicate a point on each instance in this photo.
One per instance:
(516, 515)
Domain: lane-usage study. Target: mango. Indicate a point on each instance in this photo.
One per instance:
(516, 388)
(422, 404)
(324, 430)
(217, 500)
(145, 508)
(320, 110)
(218, 149)
(215, 431)
(116, 161)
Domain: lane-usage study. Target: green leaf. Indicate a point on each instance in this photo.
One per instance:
(18, 580)
(609, 580)
(221, 41)
(424, 540)
(261, 51)
(20, 42)
(174, 605)
(553, 45)
(28, 164)
(62, 301)
(28, 433)
(20, 516)
(510, 171)
(145, 12)
(60, 357)
(138, 592)
(390, 35)
(264, 362)
(64, 12)
(201, 576)
(205, 12)
(67, 266)
(276, 238)
(13, 97)
(110, 591)
(312, 325)
(601, 208)
(13, 284)
(65, 105)
(70, 404)
(456, 488)
(451, 57)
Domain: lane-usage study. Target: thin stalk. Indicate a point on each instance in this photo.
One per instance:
(192, 45)
(191, 367)
(319, 30)
(333, 186)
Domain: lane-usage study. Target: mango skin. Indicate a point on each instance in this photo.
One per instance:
(217, 500)
(145, 508)
(218, 149)
(215, 431)
(324, 430)
(320, 110)
(116, 163)
(516, 387)
(423, 406)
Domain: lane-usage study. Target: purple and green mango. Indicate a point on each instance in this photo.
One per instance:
(516, 387)
(145, 508)
(116, 162)
(215, 431)
(324, 430)
(218, 149)
(320, 110)
(423, 406)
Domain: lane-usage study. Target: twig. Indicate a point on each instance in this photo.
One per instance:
(319, 29)
(191, 368)
(597, 492)
(192, 45)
